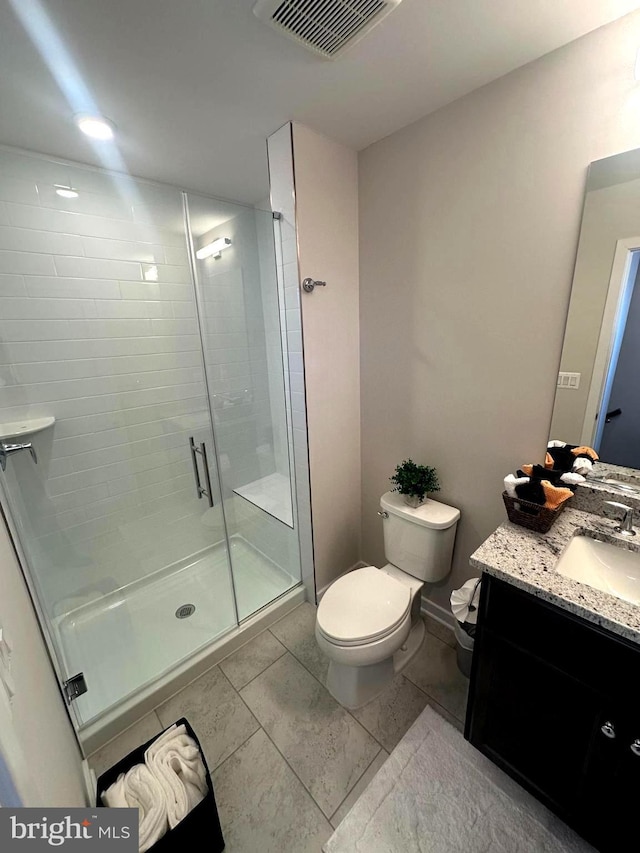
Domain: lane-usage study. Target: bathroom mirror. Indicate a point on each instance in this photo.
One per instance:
(598, 395)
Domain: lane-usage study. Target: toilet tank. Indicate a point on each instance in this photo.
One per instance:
(419, 541)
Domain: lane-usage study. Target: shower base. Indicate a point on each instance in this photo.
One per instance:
(128, 639)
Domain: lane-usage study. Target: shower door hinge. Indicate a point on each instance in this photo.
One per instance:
(74, 687)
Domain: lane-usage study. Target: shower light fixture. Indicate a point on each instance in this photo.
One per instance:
(95, 126)
(214, 248)
(65, 192)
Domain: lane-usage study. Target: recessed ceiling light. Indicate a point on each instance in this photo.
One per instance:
(66, 192)
(97, 127)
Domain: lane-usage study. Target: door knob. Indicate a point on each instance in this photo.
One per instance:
(609, 731)
(635, 747)
(309, 284)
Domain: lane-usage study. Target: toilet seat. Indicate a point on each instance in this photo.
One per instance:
(363, 606)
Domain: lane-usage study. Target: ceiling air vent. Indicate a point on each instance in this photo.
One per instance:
(327, 27)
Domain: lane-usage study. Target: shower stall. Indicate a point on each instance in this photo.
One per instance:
(145, 422)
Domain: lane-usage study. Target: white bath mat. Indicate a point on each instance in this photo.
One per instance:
(437, 794)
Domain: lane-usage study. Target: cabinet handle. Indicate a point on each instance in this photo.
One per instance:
(608, 730)
(635, 747)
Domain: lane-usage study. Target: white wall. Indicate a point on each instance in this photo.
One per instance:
(327, 232)
(468, 226)
(36, 737)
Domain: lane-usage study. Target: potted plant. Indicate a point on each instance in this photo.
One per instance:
(415, 482)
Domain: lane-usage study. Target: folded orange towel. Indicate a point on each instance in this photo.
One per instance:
(555, 496)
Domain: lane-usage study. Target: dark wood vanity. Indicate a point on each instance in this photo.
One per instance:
(555, 702)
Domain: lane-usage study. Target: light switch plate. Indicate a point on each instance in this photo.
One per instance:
(571, 381)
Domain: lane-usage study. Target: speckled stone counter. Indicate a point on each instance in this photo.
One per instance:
(608, 483)
(528, 560)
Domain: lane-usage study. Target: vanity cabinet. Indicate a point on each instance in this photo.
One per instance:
(555, 702)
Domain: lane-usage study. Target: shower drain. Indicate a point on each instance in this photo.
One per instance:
(185, 610)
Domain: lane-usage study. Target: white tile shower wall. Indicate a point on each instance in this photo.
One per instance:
(280, 153)
(97, 327)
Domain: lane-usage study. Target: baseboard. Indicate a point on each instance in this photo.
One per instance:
(437, 612)
(358, 565)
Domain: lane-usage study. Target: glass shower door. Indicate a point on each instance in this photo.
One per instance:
(101, 371)
(241, 312)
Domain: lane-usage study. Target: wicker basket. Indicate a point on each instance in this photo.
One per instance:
(530, 515)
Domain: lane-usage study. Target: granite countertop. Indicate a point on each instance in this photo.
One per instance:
(528, 560)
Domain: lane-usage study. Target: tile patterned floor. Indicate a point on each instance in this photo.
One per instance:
(287, 761)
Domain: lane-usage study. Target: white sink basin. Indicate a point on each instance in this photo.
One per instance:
(603, 566)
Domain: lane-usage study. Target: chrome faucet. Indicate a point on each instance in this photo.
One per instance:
(626, 525)
(7, 450)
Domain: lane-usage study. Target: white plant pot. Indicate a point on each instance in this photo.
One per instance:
(413, 501)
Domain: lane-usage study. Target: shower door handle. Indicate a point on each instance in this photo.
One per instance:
(202, 450)
(205, 462)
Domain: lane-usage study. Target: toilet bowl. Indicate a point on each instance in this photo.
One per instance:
(368, 622)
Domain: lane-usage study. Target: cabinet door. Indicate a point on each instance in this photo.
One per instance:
(533, 721)
(609, 803)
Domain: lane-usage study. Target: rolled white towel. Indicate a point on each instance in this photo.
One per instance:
(175, 761)
(115, 797)
(147, 794)
(571, 478)
(510, 483)
(140, 789)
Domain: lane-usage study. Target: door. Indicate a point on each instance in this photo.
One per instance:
(533, 720)
(619, 444)
(241, 314)
(117, 503)
(608, 807)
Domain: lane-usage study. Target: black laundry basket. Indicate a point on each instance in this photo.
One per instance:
(199, 830)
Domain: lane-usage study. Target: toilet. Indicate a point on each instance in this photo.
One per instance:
(368, 622)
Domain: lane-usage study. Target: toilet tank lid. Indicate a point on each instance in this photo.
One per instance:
(429, 514)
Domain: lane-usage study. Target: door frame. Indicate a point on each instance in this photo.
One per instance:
(614, 320)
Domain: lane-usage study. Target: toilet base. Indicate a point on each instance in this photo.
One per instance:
(355, 686)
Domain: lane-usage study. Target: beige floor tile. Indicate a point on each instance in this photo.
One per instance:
(434, 670)
(325, 746)
(138, 734)
(252, 659)
(390, 715)
(454, 721)
(216, 713)
(297, 632)
(360, 787)
(263, 806)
